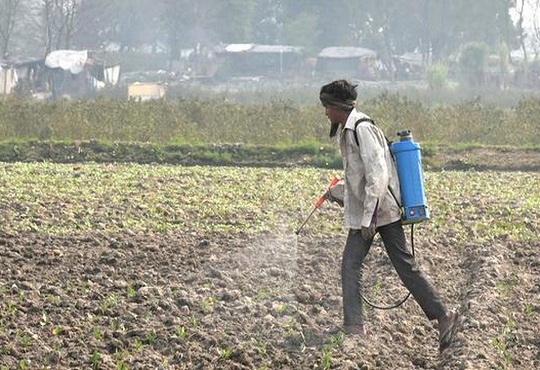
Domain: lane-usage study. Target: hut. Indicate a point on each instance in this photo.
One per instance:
(254, 60)
(355, 62)
(76, 73)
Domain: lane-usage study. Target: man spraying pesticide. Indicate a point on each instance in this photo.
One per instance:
(370, 193)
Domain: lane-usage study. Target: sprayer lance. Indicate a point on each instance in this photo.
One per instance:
(318, 203)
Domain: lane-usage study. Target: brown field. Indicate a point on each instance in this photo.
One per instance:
(257, 300)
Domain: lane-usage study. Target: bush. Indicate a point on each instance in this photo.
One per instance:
(278, 122)
(436, 75)
(472, 63)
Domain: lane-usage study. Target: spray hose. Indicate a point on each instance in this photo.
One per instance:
(318, 204)
(400, 302)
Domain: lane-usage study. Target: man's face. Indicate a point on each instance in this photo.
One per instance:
(335, 115)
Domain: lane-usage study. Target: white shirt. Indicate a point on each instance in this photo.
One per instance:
(369, 170)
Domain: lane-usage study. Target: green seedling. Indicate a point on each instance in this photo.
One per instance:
(131, 292)
(529, 309)
(182, 332)
(57, 330)
(138, 345)
(98, 333)
(225, 353)
(108, 304)
(207, 304)
(260, 346)
(120, 360)
(150, 338)
(505, 287)
(334, 342)
(95, 360)
(193, 321)
(503, 342)
(327, 358)
(280, 309)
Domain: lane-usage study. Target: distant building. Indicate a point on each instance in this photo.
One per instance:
(8, 78)
(22, 76)
(253, 60)
(146, 91)
(349, 61)
(410, 65)
(76, 73)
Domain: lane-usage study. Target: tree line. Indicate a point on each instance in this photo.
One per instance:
(438, 29)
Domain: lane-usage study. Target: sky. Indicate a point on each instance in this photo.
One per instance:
(529, 13)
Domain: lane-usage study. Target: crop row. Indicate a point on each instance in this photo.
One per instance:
(70, 199)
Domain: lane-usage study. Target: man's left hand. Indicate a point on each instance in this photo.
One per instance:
(368, 232)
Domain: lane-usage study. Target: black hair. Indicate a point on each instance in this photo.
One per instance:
(341, 89)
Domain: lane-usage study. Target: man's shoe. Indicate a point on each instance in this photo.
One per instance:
(447, 329)
(354, 329)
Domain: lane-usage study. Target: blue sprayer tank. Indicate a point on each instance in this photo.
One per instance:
(411, 179)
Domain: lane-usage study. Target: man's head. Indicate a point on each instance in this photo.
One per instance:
(339, 98)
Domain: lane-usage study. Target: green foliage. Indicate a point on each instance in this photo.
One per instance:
(504, 342)
(436, 75)
(332, 345)
(394, 112)
(300, 30)
(105, 126)
(95, 360)
(67, 199)
(472, 63)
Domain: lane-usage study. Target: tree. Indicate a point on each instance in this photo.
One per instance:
(300, 30)
(268, 22)
(522, 35)
(9, 16)
(189, 23)
(337, 24)
(60, 20)
(126, 23)
(473, 63)
(234, 23)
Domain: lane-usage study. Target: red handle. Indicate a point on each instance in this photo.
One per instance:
(320, 201)
(335, 180)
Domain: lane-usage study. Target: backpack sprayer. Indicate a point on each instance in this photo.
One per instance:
(411, 178)
(408, 159)
(413, 204)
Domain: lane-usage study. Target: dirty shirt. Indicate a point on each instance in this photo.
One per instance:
(369, 171)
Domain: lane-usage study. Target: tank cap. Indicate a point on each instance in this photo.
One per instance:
(405, 135)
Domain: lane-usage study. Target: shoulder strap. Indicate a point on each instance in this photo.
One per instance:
(389, 143)
(365, 119)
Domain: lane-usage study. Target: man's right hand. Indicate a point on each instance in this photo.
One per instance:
(335, 194)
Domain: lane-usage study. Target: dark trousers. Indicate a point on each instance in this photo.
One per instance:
(356, 249)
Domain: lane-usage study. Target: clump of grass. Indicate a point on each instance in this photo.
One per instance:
(334, 342)
(504, 341)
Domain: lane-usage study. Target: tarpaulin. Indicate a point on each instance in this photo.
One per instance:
(69, 60)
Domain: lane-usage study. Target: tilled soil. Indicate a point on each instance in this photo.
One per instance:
(237, 301)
